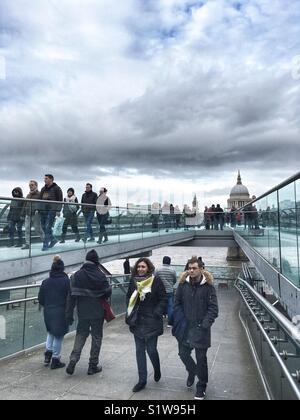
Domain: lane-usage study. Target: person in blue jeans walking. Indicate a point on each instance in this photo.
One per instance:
(169, 278)
(53, 296)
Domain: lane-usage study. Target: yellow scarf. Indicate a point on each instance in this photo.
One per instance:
(143, 287)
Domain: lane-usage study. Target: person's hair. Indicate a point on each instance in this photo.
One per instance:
(195, 260)
(32, 181)
(90, 185)
(71, 189)
(167, 260)
(50, 176)
(149, 264)
(104, 189)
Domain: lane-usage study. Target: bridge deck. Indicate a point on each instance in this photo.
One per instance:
(233, 374)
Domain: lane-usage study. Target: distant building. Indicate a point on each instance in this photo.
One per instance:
(239, 195)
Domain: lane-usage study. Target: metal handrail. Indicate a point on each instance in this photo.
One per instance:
(58, 202)
(285, 324)
(290, 377)
(25, 287)
(12, 302)
(276, 188)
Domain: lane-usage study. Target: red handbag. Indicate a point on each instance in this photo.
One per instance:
(108, 312)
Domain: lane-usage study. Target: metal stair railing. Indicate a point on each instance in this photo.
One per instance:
(275, 340)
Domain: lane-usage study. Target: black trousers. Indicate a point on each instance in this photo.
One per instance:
(200, 368)
(150, 345)
(84, 329)
(70, 220)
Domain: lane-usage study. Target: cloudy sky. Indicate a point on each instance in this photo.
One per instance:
(152, 98)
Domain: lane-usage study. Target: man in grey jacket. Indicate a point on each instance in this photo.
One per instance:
(169, 278)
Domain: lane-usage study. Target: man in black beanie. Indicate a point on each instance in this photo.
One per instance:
(88, 286)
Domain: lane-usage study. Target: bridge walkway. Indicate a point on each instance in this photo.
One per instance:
(233, 373)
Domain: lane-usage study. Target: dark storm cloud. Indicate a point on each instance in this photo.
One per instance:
(214, 96)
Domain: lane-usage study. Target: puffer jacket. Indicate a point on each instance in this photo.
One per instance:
(198, 301)
(151, 309)
(16, 210)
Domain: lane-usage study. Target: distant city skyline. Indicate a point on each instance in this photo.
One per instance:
(150, 97)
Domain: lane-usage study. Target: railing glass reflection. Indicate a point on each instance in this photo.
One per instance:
(271, 225)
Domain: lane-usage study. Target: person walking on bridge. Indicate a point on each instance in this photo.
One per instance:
(50, 192)
(146, 304)
(15, 217)
(89, 286)
(32, 216)
(53, 297)
(195, 302)
(168, 276)
(103, 207)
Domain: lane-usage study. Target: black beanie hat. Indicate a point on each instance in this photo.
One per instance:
(93, 257)
(58, 265)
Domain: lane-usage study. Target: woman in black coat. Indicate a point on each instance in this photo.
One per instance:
(53, 297)
(146, 303)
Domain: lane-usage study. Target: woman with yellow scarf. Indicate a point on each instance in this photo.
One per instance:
(146, 304)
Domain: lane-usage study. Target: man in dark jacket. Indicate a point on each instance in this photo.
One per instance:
(89, 197)
(88, 286)
(50, 192)
(196, 298)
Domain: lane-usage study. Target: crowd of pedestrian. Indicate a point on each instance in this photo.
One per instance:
(44, 216)
(189, 303)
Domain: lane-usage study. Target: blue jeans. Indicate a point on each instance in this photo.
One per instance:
(54, 344)
(89, 217)
(170, 305)
(47, 222)
(141, 346)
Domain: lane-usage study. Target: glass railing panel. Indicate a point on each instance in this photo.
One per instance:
(297, 187)
(11, 329)
(12, 230)
(131, 225)
(34, 327)
(288, 233)
(150, 225)
(61, 228)
(119, 290)
(12, 295)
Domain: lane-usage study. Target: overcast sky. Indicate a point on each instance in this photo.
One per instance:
(152, 98)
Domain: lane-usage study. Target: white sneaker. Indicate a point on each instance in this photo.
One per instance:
(200, 395)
